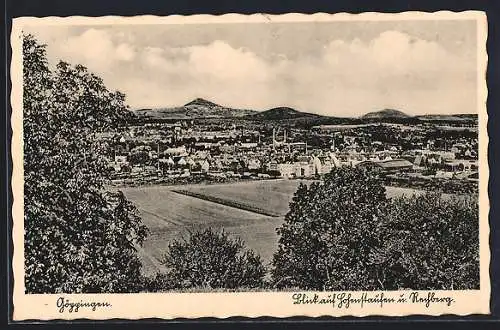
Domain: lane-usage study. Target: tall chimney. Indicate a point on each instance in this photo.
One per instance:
(274, 137)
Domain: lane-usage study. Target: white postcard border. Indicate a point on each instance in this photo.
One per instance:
(249, 304)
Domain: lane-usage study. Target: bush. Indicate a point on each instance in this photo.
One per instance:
(209, 260)
(430, 243)
(344, 234)
(78, 238)
(329, 232)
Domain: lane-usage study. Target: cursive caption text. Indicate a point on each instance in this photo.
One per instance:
(70, 306)
(348, 300)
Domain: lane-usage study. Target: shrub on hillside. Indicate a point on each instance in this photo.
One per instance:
(329, 232)
(430, 243)
(208, 260)
(78, 238)
(343, 234)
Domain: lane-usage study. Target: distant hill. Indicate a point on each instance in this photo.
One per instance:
(282, 113)
(386, 114)
(199, 102)
(202, 108)
(197, 108)
(449, 118)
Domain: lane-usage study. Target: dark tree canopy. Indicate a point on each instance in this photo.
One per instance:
(209, 260)
(430, 243)
(344, 234)
(78, 236)
(327, 234)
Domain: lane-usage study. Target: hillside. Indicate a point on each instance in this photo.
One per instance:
(281, 113)
(197, 108)
(199, 102)
(449, 118)
(385, 114)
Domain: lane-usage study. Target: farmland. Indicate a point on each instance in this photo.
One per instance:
(170, 215)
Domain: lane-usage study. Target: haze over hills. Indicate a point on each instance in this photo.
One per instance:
(457, 118)
(385, 113)
(199, 102)
(202, 108)
(197, 108)
(397, 115)
(282, 113)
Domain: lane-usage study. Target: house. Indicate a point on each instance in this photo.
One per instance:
(170, 162)
(394, 165)
(317, 164)
(388, 166)
(121, 159)
(190, 161)
(323, 165)
(297, 169)
(248, 145)
(286, 170)
(217, 165)
(205, 166)
(304, 170)
(334, 160)
(419, 161)
(253, 164)
(273, 166)
(459, 165)
(175, 151)
(326, 167)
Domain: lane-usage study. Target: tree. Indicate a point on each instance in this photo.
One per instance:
(344, 234)
(78, 237)
(430, 243)
(329, 231)
(138, 157)
(210, 259)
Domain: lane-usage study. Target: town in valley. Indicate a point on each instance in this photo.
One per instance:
(338, 157)
(203, 142)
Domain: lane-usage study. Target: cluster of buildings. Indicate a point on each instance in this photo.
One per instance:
(180, 150)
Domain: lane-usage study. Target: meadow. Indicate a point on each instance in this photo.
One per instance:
(170, 215)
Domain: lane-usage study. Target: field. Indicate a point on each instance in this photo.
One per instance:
(170, 215)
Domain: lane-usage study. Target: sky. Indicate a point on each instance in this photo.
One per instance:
(337, 68)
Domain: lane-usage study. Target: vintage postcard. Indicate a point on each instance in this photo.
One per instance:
(261, 165)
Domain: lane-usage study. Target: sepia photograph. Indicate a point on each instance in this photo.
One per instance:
(319, 159)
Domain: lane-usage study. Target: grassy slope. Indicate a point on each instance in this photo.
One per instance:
(171, 216)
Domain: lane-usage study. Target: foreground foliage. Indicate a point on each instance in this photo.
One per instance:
(209, 260)
(429, 243)
(329, 231)
(78, 237)
(344, 234)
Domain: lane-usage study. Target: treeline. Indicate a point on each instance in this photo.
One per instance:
(441, 185)
(227, 202)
